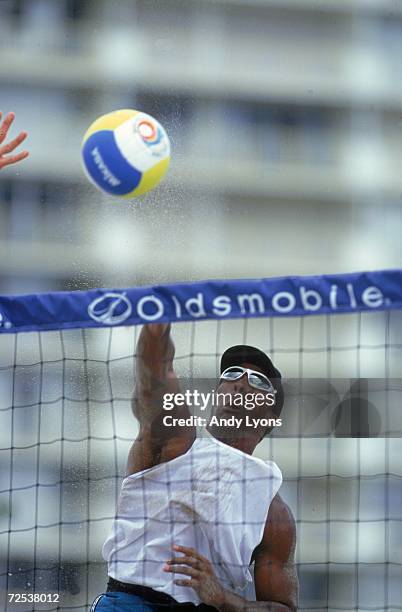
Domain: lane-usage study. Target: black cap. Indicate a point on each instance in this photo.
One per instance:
(241, 353)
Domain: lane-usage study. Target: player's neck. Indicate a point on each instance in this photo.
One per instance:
(246, 445)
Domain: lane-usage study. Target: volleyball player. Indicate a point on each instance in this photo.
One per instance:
(199, 521)
(6, 149)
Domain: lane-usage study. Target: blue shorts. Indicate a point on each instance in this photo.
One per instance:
(116, 601)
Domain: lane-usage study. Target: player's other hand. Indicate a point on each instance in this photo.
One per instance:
(199, 573)
(5, 149)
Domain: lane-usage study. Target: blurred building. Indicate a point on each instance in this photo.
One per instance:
(284, 117)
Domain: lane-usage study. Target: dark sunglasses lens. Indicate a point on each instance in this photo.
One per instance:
(232, 374)
(259, 382)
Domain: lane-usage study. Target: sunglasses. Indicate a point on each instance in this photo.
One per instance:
(255, 379)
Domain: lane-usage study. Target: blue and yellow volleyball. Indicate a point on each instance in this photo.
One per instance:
(125, 153)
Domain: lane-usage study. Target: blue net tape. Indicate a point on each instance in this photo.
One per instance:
(215, 299)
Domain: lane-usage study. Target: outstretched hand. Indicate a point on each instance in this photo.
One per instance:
(199, 573)
(5, 149)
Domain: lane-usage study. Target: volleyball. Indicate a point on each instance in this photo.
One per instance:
(125, 153)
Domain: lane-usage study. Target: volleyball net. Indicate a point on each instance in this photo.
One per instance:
(66, 383)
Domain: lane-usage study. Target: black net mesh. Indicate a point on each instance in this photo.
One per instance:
(66, 428)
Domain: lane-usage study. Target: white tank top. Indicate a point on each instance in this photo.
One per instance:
(213, 498)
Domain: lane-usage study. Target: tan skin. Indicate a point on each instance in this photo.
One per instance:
(274, 570)
(8, 147)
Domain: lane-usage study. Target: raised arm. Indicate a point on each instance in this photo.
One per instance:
(5, 149)
(155, 378)
(154, 374)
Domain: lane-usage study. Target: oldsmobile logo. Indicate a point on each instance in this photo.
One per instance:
(110, 309)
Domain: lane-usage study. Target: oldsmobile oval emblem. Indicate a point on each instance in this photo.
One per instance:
(110, 309)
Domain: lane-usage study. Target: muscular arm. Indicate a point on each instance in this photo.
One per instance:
(155, 377)
(154, 371)
(276, 582)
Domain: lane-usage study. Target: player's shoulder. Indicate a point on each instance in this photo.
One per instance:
(279, 511)
(149, 450)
